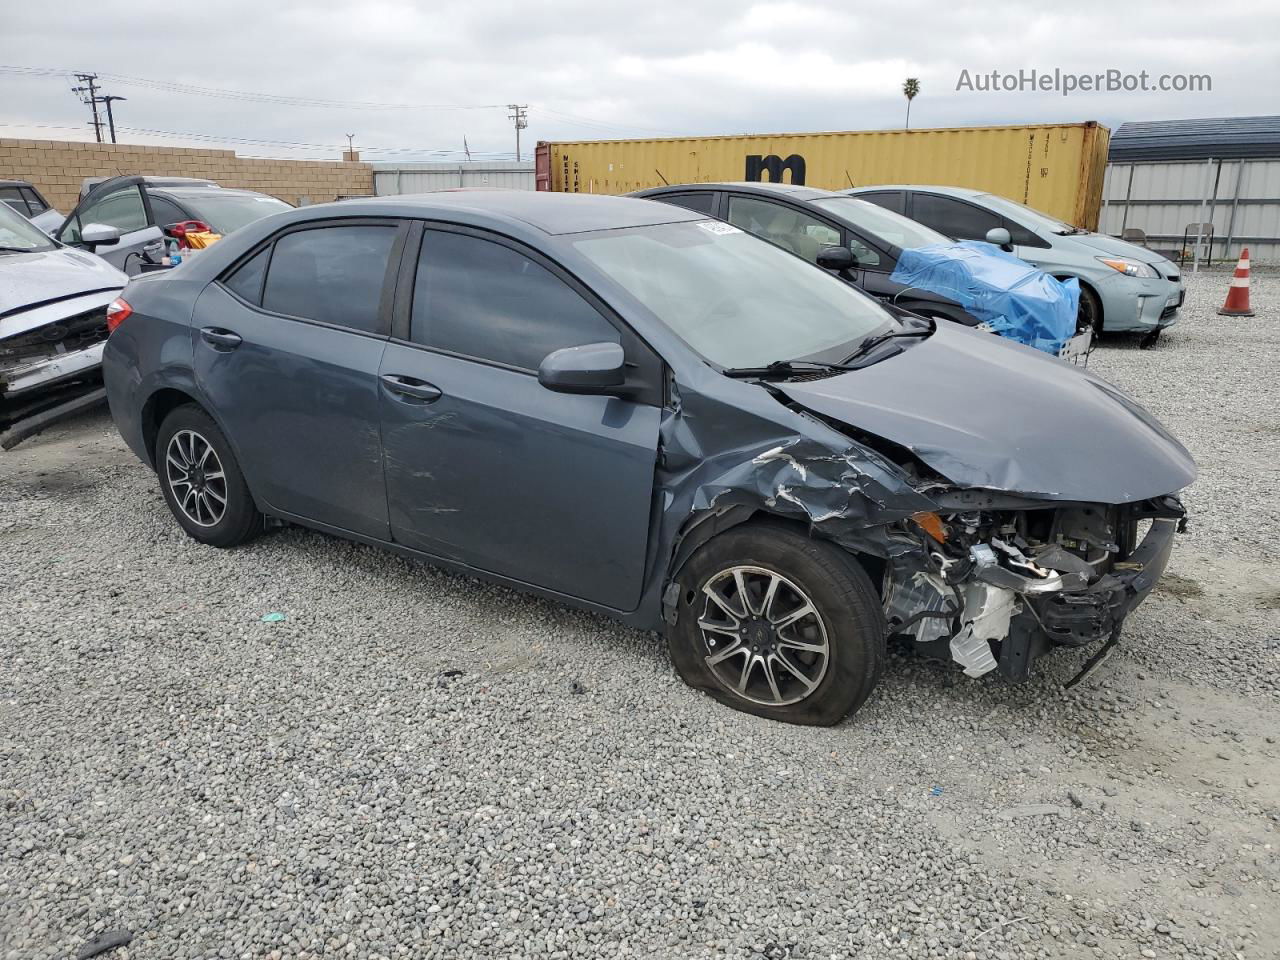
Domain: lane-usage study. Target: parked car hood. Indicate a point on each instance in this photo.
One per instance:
(28, 279)
(988, 413)
(1111, 247)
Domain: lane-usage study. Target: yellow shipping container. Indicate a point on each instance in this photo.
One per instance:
(1056, 168)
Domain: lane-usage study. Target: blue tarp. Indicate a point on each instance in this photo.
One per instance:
(1010, 296)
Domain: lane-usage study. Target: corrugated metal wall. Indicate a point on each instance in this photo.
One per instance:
(1241, 198)
(390, 179)
(1052, 167)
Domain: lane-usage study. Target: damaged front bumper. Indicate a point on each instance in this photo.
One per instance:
(1006, 602)
(51, 369)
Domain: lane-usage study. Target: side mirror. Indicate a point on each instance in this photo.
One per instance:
(595, 368)
(1000, 237)
(832, 257)
(99, 235)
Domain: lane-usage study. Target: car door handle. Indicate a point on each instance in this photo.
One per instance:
(220, 339)
(410, 387)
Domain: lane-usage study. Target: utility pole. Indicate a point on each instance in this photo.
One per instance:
(518, 114)
(90, 79)
(111, 121)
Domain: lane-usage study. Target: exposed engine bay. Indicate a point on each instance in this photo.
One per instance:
(993, 589)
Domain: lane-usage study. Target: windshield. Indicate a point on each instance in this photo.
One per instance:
(885, 224)
(227, 212)
(737, 300)
(1027, 216)
(20, 234)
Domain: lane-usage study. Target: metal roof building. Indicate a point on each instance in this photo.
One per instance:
(1222, 138)
(1171, 181)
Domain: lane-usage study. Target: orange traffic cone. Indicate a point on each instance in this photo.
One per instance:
(1237, 304)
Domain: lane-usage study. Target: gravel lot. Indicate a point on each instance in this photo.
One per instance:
(414, 764)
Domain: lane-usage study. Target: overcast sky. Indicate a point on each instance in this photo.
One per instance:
(606, 70)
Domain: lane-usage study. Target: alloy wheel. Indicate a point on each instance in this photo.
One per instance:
(196, 478)
(764, 637)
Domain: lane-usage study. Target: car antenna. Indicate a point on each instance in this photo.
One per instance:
(659, 173)
(849, 178)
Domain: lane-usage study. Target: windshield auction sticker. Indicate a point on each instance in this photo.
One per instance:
(715, 226)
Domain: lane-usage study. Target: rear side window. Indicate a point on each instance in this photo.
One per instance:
(247, 280)
(12, 197)
(331, 274)
(34, 201)
(165, 211)
(481, 299)
(955, 218)
(698, 202)
(889, 199)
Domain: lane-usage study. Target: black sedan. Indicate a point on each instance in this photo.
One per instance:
(648, 413)
(809, 222)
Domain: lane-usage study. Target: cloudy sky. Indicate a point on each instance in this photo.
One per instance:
(410, 80)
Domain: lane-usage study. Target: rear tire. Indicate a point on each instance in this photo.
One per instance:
(816, 669)
(201, 480)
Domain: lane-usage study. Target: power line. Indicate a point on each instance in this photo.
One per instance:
(169, 86)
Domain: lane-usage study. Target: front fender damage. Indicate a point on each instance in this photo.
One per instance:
(986, 578)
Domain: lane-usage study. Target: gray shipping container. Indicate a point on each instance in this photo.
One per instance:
(392, 178)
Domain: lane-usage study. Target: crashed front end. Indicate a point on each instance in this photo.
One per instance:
(50, 363)
(994, 589)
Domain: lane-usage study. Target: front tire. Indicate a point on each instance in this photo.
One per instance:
(201, 480)
(775, 623)
(1089, 316)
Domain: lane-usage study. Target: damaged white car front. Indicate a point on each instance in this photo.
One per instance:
(53, 326)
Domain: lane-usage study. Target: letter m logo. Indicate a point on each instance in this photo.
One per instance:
(773, 166)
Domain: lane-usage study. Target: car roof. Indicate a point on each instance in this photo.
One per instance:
(928, 187)
(189, 192)
(791, 190)
(550, 212)
(17, 183)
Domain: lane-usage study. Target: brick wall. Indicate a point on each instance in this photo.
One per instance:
(57, 168)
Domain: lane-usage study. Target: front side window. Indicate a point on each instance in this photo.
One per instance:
(955, 218)
(121, 209)
(331, 275)
(485, 300)
(877, 221)
(735, 300)
(788, 228)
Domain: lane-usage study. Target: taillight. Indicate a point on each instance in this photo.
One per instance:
(117, 313)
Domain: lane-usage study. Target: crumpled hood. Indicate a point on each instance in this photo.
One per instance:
(1111, 247)
(988, 413)
(27, 279)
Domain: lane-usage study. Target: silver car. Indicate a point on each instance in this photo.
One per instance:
(1124, 288)
(53, 315)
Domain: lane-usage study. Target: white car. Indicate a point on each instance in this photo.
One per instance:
(53, 314)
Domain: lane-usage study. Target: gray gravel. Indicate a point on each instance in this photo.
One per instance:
(415, 764)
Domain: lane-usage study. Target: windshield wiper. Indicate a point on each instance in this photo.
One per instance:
(4, 249)
(871, 343)
(785, 368)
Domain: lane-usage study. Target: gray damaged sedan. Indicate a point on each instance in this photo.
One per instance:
(640, 411)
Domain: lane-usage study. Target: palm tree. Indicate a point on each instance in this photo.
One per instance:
(909, 90)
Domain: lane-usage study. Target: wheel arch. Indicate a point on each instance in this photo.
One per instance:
(1093, 292)
(158, 406)
(704, 526)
